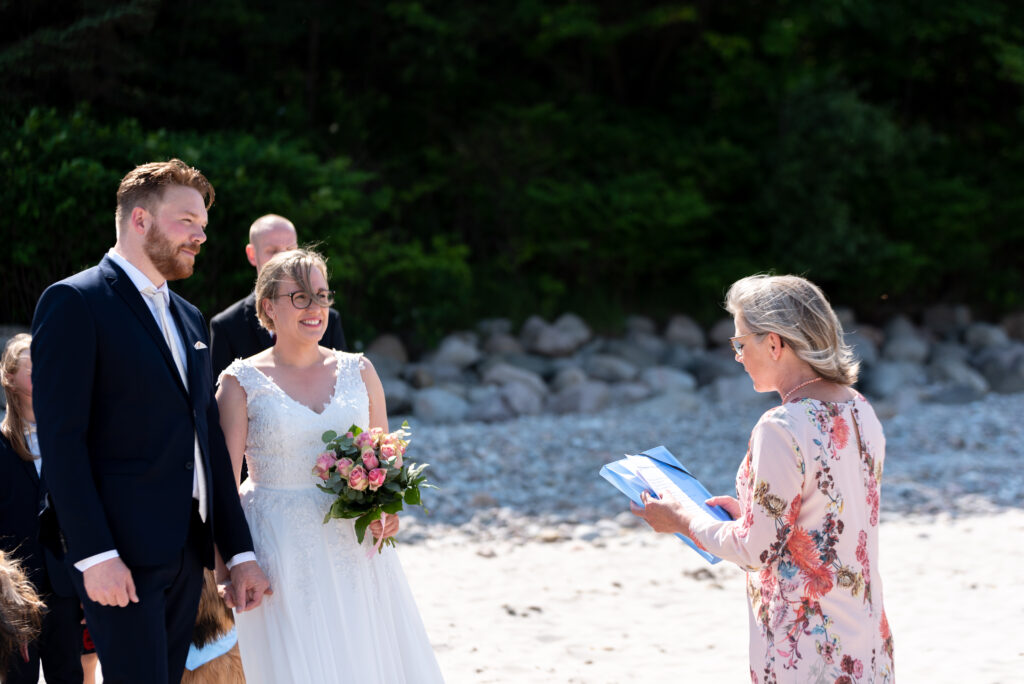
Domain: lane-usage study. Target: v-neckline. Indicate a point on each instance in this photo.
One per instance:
(327, 404)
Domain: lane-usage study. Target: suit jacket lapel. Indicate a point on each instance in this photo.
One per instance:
(30, 468)
(189, 336)
(125, 288)
(260, 335)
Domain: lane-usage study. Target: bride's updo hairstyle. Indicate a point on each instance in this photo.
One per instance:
(797, 311)
(296, 265)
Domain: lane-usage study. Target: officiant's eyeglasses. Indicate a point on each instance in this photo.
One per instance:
(737, 347)
(302, 299)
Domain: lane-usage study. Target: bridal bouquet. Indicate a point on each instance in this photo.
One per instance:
(366, 472)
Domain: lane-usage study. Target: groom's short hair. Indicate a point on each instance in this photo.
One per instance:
(147, 182)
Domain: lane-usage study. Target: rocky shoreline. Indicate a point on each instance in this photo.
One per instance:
(490, 374)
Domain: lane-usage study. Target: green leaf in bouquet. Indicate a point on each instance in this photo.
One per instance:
(393, 507)
(355, 430)
(329, 436)
(412, 496)
(392, 487)
(363, 521)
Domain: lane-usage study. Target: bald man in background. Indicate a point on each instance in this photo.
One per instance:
(235, 333)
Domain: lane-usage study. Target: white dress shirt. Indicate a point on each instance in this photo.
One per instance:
(141, 281)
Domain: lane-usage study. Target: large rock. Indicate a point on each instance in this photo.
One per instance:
(717, 363)
(684, 330)
(982, 335)
(502, 343)
(387, 346)
(531, 362)
(522, 399)
(888, 377)
(863, 347)
(1003, 367)
(721, 331)
(397, 394)
(640, 349)
(582, 397)
(436, 405)
(562, 338)
(909, 348)
(488, 407)
(738, 390)
(503, 374)
(610, 368)
(682, 357)
(569, 375)
(620, 393)
(663, 379)
(946, 321)
(458, 351)
(1013, 324)
(955, 381)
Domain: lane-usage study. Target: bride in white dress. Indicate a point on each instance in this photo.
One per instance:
(337, 613)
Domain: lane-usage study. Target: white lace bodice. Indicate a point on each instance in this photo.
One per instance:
(284, 435)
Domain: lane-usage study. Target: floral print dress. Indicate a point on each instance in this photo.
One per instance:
(808, 538)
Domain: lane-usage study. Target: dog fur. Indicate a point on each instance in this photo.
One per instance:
(213, 621)
(21, 611)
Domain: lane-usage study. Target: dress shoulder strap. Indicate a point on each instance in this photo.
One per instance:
(253, 382)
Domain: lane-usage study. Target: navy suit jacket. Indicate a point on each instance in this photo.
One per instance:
(236, 333)
(117, 427)
(24, 533)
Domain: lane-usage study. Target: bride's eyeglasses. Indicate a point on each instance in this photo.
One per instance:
(303, 300)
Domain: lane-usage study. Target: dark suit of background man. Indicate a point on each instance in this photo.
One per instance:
(24, 511)
(133, 451)
(235, 333)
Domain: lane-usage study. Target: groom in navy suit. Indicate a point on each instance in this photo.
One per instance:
(133, 452)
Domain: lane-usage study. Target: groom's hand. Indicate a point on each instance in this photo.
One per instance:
(110, 583)
(248, 585)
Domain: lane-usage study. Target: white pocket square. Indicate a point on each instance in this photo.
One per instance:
(200, 345)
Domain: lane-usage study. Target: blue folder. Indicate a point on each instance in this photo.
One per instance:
(626, 482)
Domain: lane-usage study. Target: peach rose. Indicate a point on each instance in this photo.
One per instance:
(376, 478)
(344, 466)
(357, 479)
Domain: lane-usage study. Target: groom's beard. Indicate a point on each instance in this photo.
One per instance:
(166, 256)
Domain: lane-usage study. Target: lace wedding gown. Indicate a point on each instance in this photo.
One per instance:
(336, 615)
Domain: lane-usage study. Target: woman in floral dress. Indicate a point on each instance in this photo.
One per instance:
(805, 524)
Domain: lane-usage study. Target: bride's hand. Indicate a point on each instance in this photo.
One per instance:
(388, 529)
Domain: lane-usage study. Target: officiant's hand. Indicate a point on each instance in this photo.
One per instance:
(727, 503)
(664, 514)
(248, 586)
(110, 583)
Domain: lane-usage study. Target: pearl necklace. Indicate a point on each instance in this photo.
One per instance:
(802, 384)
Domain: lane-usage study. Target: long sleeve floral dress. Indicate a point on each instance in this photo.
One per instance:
(808, 538)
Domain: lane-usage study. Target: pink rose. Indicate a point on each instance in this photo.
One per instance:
(398, 461)
(345, 466)
(357, 479)
(370, 460)
(388, 452)
(323, 465)
(377, 432)
(364, 439)
(349, 435)
(376, 478)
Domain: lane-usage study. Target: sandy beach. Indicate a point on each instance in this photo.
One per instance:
(643, 606)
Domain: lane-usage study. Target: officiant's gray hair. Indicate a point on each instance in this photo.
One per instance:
(295, 265)
(796, 310)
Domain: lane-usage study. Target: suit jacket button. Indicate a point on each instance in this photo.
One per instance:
(190, 465)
